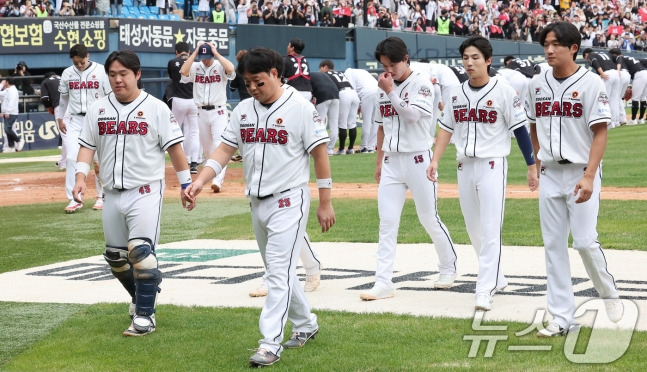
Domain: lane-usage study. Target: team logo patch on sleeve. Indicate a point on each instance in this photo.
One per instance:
(316, 118)
(424, 91)
(603, 98)
(516, 102)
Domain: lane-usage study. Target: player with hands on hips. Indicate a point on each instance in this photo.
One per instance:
(403, 117)
(568, 113)
(481, 114)
(130, 131)
(209, 77)
(275, 132)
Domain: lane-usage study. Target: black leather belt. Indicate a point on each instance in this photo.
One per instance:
(564, 162)
(270, 195)
(208, 107)
(80, 114)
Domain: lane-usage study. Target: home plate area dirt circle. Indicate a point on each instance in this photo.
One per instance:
(221, 273)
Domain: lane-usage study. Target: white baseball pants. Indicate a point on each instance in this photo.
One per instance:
(369, 129)
(613, 91)
(212, 124)
(74, 124)
(186, 114)
(401, 172)
(558, 215)
(348, 105)
(481, 192)
(279, 225)
(330, 111)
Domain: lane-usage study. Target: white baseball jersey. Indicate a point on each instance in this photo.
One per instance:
(209, 83)
(481, 120)
(418, 92)
(558, 109)
(130, 140)
(362, 81)
(273, 141)
(84, 87)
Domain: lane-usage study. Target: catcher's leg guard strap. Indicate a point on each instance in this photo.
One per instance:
(117, 258)
(147, 281)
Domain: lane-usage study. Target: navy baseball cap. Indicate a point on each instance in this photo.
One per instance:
(204, 51)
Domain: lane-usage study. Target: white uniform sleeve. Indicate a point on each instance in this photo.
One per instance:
(231, 134)
(314, 130)
(169, 131)
(231, 76)
(513, 113)
(530, 103)
(446, 119)
(377, 115)
(191, 77)
(422, 97)
(598, 102)
(87, 137)
(63, 100)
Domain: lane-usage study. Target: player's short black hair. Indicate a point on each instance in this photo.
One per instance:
(424, 60)
(615, 51)
(393, 48)
(298, 45)
(586, 52)
(182, 47)
(508, 58)
(79, 50)
(128, 58)
(480, 43)
(258, 60)
(10, 80)
(565, 32)
(49, 74)
(328, 63)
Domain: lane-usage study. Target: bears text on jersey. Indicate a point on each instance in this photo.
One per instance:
(123, 128)
(91, 84)
(207, 79)
(252, 135)
(565, 109)
(474, 115)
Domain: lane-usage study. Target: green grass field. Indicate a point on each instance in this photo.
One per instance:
(72, 337)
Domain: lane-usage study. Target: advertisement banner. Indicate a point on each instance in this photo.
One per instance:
(52, 35)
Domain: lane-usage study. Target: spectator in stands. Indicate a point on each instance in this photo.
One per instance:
(326, 9)
(23, 85)
(358, 16)
(599, 41)
(613, 42)
(495, 30)
(310, 16)
(41, 10)
(371, 14)
(115, 7)
(269, 14)
(385, 20)
(102, 7)
(394, 20)
(327, 21)
(230, 10)
(297, 16)
(342, 14)
(66, 10)
(203, 10)
(641, 42)
(444, 23)
(241, 10)
(27, 10)
(79, 9)
(403, 13)
(218, 14)
(9, 98)
(419, 26)
(253, 13)
(458, 28)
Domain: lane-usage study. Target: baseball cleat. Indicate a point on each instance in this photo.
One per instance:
(377, 293)
(141, 326)
(263, 357)
(340, 152)
(98, 205)
(350, 152)
(215, 187)
(553, 329)
(312, 282)
(298, 339)
(615, 309)
(20, 145)
(193, 168)
(261, 291)
(73, 207)
(445, 281)
(483, 302)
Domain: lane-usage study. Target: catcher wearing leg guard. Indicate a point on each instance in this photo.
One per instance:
(130, 131)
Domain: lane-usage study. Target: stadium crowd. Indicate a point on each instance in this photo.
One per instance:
(602, 23)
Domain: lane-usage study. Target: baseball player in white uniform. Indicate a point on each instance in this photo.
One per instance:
(348, 107)
(568, 113)
(274, 132)
(404, 115)
(183, 106)
(81, 85)
(625, 80)
(604, 65)
(638, 73)
(366, 87)
(209, 78)
(423, 68)
(130, 131)
(482, 113)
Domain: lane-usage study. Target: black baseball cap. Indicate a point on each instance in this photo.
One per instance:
(204, 51)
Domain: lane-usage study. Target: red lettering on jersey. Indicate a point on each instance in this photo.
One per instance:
(493, 115)
(283, 137)
(102, 128)
(260, 135)
(387, 110)
(564, 109)
(132, 127)
(479, 116)
(110, 127)
(271, 135)
(121, 128)
(143, 128)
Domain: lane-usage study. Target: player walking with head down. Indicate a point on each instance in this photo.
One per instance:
(568, 113)
(274, 132)
(130, 130)
(209, 77)
(481, 114)
(403, 140)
